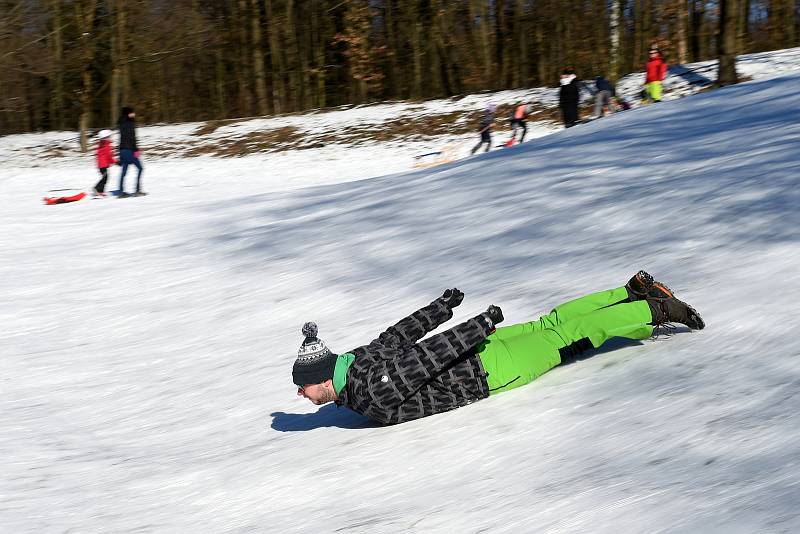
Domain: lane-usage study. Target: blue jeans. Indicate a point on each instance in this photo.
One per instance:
(126, 158)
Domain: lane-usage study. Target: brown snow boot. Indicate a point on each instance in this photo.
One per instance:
(672, 310)
(642, 286)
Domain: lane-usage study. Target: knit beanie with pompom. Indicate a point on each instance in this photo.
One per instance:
(315, 363)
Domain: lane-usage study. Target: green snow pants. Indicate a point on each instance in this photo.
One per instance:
(654, 91)
(515, 355)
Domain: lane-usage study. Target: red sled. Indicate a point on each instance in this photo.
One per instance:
(64, 199)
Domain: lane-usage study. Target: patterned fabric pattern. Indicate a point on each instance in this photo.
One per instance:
(397, 378)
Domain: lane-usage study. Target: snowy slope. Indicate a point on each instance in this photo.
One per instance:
(147, 343)
(380, 138)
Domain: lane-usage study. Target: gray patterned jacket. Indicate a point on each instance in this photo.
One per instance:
(398, 378)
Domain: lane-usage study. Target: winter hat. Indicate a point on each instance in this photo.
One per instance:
(491, 108)
(126, 111)
(315, 363)
(104, 134)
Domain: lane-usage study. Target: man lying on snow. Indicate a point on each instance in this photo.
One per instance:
(398, 378)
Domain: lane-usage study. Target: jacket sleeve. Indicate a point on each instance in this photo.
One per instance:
(414, 327)
(390, 381)
(437, 352)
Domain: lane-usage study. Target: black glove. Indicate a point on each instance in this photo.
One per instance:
(495, 314)
(452, 297)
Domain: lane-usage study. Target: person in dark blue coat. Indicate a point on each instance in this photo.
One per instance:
(603, 97)
(129, 151)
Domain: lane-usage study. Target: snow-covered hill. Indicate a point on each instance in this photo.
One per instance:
(147, 343)
(350, 142)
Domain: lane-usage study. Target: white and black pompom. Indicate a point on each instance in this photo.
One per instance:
(310, 330)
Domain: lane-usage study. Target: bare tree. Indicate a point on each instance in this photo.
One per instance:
(682, 30)
(258, 59)
(615, 32)
(85, 11)
(728, 39)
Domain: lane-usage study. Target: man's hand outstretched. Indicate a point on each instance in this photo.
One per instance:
(452, 297)
(495, 314)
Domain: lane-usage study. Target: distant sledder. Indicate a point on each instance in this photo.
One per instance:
(400, 376)
(518, 117)
(485, 128)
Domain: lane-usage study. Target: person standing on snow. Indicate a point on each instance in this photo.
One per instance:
(398, 378)
(129, 151)
(656, 72)
(568, 98)
(604, 97)
(518, 116)
(485, 128)
(105, 159)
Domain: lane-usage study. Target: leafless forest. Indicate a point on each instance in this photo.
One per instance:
(71, 64)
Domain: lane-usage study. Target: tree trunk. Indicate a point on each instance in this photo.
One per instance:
(699, 37)
(302, 49)
(293, 57)
(122, 69)
(262, 101)
(116, 71)
(416, 50)
(319, 44)
(84, 21)
(276, 58)
(744, 27)
(728, 29)
(647, 25)
(615, 31)
(393, 79)
(243, 71)
(219, 85)
(790, 23)
(782, 22)
(440, 66)
(57, 76)
(542, 71)
(522, 70)
(481, 12)
(682, 29)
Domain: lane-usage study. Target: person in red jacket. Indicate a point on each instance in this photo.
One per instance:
(656, 72)
(105, 159)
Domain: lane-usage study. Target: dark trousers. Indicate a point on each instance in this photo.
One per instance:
(100, 187)
(486, 137)
(570, 116)
(519, 123)
(126, 158)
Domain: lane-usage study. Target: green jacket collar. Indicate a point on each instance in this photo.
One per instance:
(343, 363)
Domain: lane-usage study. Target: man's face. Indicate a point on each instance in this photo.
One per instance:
(317, 393)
